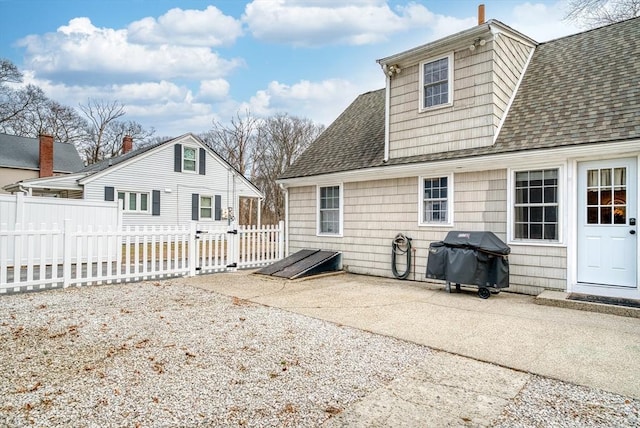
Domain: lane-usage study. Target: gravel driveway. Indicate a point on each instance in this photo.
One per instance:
(166, 354)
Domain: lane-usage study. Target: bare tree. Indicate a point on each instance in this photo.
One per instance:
(117, 130)
(236, 143)
(9, 72)
(283, 139)
(100, 114)
(28, 112)
(595, 13)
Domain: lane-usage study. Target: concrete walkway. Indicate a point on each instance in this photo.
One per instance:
(511, 331)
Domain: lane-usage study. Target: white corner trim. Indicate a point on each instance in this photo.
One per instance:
(513, 96)
(387, 113)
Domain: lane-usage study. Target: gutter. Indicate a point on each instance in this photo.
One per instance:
(492, 161)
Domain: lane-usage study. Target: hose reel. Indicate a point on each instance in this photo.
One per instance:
(401, 246)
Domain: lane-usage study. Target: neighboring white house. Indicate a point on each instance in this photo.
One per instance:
(487, 130)
(172, 182)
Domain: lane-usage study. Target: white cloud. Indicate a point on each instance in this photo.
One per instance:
(320, 101)
(83, 52)
(542, 22)
(213, 89)
(209, 27)
(307, 23)
(314, 23)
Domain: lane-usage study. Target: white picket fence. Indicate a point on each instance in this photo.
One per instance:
(38, 258)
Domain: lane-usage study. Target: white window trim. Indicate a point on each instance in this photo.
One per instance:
(341, 211)
(212, 207)
(450, 197)
(562, 207)
(138, 197)
(421, 107)
(197, 160)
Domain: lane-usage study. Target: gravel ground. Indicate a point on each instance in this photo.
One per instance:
(162, 354)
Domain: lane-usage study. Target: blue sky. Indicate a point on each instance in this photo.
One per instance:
(177, 65)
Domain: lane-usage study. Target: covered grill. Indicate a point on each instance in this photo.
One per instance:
(470, 258)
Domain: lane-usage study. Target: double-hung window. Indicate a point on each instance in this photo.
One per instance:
(189, 159)
(435, 201)
(436, 82)
(329, 210)
(134, 201)
(536, 209)
(206, 209)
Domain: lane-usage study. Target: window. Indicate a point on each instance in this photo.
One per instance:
(189, 156)
(536, 205)
(436, 83)
(329, 212)
(205, 207)
(607, 196)
(435, 201)
(134, 201)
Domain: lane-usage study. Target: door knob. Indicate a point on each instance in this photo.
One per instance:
(633, 232)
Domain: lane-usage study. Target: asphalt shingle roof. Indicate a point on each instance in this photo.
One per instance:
(106, 163)
(24, 153)
(580, 89)
(354, 140)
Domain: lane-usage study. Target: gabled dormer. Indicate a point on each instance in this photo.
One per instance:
(452, 94)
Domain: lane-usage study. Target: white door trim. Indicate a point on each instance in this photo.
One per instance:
(572, 236)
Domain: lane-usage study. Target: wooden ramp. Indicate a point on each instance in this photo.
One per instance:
(303, 263)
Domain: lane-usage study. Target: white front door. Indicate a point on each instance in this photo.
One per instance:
(607, 217)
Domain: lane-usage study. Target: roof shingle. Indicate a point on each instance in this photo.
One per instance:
(24, 153)
(580, 89)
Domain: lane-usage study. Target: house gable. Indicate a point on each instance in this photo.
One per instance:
(485, 65)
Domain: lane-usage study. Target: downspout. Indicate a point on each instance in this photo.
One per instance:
(285, 190)
(387, 100)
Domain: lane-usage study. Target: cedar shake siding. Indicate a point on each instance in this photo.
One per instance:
(375, 211)
(484, 82)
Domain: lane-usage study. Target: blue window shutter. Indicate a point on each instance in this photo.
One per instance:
(218, 207)
(155, 202)
(195, 206)
(177, 164)
(109, 193)
(203, 159)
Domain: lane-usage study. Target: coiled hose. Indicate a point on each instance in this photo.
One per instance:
(401, 245)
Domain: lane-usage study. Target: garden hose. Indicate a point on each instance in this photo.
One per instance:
(401, 245)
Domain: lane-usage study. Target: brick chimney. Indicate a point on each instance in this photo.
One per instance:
(46, 155)
(127, 144)
(480, 14)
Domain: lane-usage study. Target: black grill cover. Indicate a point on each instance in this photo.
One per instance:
(477, 258)
(483, 241)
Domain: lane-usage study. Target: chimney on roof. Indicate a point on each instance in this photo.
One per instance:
(480, 14)
(46, 155)
(127, 144)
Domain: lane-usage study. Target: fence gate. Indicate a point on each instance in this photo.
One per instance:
(46, 257)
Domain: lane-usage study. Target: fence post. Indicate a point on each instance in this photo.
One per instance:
(281, 240)
(66, 251)
(193, 243)
(19, 209)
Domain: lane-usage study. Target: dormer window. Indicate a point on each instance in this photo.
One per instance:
(436, 84)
